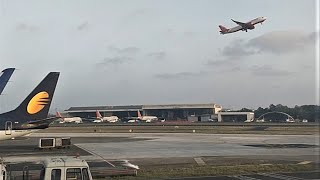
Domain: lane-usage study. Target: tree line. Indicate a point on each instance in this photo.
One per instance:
(309, 112)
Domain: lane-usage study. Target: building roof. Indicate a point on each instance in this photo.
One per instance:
(64, 162)
(180, 106)
(105, 108)
(142, 107)
(235, 113)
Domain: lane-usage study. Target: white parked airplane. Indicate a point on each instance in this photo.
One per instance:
(76, 120)
(147, 118)
(100, 118)
(242, 26)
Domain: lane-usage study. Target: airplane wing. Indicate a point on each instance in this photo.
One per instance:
(239, 23)
(39, 124)
(47, 120)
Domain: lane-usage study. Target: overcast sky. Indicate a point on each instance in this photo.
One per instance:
(122, 52)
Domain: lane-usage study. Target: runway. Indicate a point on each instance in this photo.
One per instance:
(163, 145)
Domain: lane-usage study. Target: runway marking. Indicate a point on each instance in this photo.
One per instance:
(199, 161)
(95, 154)
(305, 162)
(244, 177)
(265, 164)
(281, 176)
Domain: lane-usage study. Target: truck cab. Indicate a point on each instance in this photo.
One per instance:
(65, 168)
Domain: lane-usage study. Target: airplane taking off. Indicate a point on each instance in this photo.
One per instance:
(4, 77)
(242, 26)
(32, 113)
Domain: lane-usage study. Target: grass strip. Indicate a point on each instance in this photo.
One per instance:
(196, 171)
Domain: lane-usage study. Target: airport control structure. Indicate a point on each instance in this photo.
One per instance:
(184, 112)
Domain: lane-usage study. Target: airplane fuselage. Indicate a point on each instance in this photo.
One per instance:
(148, 118)
(10, 134)
(10, 128)
(110, 118)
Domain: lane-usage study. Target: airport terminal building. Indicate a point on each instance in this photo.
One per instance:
(191, 112)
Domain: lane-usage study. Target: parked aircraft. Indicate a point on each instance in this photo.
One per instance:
(260, 120)
(147, 118)
(4, 77)
(69, 119)
(101, 118)
(242, 26)
(133, 121)
(290, 120)
(32, 113)
(248, 120)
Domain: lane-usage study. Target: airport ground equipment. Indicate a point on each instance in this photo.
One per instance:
(65, 167)
(58, 142)
(57, 168)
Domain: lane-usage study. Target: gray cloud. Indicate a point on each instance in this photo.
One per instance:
(83, 26)
(276, 42)
(224, 65)
(158, 55)
(236, 49)
(180, 75)
(176, 32)
(127, 50)
(218, 63)
(26, 27)
(190, 33)
(139, 12)
(279, 42)
(268, 70)
(114, 61)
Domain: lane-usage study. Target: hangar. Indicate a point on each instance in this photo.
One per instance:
(194, 112)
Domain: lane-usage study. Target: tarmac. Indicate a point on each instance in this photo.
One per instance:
(148, 150)
(166, 145)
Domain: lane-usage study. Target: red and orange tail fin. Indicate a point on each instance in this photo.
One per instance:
(139, 114)
(98, 114)
(223, 29)
(58, 114)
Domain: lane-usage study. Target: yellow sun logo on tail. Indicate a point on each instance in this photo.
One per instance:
(38, 102)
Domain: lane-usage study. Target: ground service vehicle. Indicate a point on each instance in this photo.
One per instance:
(57, 169)
(65, 168)
(3, 171)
